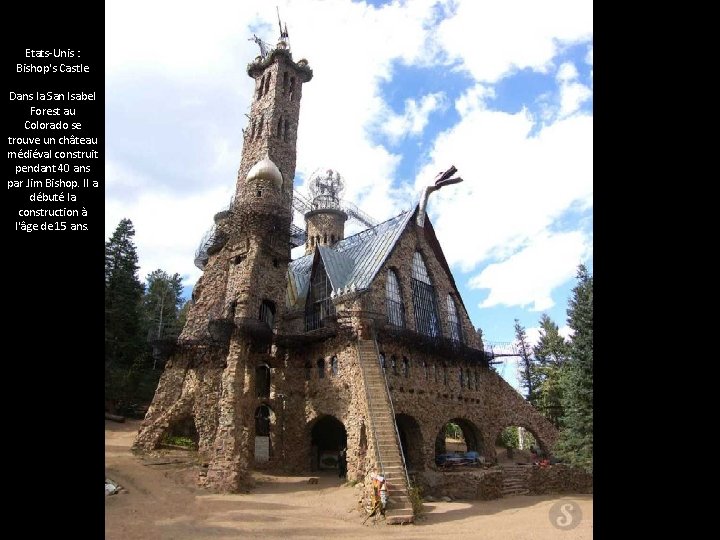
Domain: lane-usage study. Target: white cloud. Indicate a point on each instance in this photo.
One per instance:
(567, 72)
(533, 334)
(515, 186)
(572, 93)
(474, 98)
(492, 38)
(177, 90)
(414, 119)
(528, 277)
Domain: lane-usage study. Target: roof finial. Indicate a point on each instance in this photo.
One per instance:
(441, 180)
(283, 33)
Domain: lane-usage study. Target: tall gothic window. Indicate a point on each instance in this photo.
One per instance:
(319, 304)
(395, 308)
(453, 320)
(267, 313)
(424, 302)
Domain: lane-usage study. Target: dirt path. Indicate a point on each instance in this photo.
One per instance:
(161, 501)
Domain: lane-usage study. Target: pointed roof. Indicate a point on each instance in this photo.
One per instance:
(355, 260)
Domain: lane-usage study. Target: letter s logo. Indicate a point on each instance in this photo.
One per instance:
(565, 515)
(566, 518)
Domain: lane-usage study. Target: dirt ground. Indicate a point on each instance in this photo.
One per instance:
(160, 500)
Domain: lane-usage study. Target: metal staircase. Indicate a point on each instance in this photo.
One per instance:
(384, 430)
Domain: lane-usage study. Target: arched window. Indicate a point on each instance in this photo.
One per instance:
(285, 131)
(462, 380)
(468, 378)
(453, 320)
(262, 421)
(260, 88)
(334, 366)
(267, 85)
(382, 360)
(318, 305)
(406, 367)
(292, 87)
(395, 308)
(444, 368)
(321, 368)
(393, 364)
(267, 312)
(424, 302)
(425, 369)
(285, 81)
(308, 370)
(279, 128)
(262, 380)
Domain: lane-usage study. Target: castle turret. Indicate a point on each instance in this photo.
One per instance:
(325, 222)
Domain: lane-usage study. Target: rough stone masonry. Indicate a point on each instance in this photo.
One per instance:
(266, 373)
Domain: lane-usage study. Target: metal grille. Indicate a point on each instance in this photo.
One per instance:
(455, 328)
(319, 303)
(425, 304)
(395, 308)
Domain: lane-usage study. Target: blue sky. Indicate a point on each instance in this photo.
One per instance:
(402, 90)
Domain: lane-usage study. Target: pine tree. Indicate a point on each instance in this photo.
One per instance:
(529, 375)
(550, 354)
(123, 293)
(576, 436)
(125, 344)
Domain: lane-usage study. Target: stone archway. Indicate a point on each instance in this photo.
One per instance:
(182, 432)
(264, 433)
(459, 435)
(515, 442)
(412, 441)
(327, 437)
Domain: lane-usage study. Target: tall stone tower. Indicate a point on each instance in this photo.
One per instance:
(228, 336)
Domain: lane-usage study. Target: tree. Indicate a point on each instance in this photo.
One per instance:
(550, 354)
(123, 294)
(161, 305)
(529, 375)
(162, 302)
(575, 443)
(125, 344)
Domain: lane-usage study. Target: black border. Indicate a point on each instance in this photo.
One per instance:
(53, 376)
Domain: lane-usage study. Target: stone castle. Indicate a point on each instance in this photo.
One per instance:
(363, 343)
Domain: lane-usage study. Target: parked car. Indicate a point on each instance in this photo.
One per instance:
(474, 457)
(458, 459)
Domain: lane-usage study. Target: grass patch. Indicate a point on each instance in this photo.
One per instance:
(186, 442)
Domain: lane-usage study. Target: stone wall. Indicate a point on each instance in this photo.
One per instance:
(324, 227)
(559, 478)
(477, 484)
